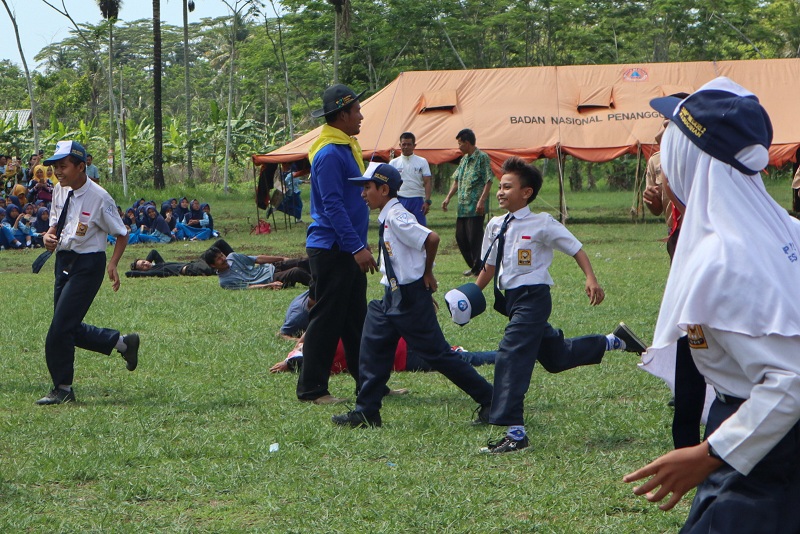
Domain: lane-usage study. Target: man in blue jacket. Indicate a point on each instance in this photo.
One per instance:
(336, 245)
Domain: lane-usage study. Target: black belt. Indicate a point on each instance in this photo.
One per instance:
(727, 399)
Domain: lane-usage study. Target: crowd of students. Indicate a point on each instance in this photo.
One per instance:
(175, 220)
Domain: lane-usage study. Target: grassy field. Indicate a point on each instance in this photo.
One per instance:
(183, 443)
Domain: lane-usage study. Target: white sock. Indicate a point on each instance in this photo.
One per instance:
(614, 343)
(516, 432)
(121, 346)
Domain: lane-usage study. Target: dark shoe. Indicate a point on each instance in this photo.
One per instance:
(507, 444)
(356, 419)
(481, 415)
(632, 342)
(57, 396)
(131, 354)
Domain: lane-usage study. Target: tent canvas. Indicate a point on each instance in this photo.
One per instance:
(593, 112)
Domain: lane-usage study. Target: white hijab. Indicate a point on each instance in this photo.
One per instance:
(733, 267)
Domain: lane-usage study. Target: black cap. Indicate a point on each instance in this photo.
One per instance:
(335, 98)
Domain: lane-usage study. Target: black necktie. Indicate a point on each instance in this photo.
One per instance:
(396, 294)
(499, 298)
(62, 217)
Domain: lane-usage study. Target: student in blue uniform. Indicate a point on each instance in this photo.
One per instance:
(408, 250)
(83, 214)
(518, 249)
(732, 290)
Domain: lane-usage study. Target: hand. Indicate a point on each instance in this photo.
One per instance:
(365, 261)
(594, 292)
(50, 242)
(425, 208)
(652, 197)
(274, 285)
(430, 282)
(480, 209)
(445, 202)
(280, 367)
(113, 275)
(676, 472)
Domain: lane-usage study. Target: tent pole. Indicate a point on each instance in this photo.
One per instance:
(637, 208)
(562, 204)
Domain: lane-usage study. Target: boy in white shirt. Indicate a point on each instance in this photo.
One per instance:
(408, 250)
(523, 242)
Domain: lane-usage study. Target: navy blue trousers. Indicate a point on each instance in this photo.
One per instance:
(763, 501)
(78, 278)
(340, 289)
(530, 338)
(416, 322)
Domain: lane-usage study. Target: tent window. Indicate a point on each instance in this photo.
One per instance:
(444, 100)
(678, 90)
(592, 98)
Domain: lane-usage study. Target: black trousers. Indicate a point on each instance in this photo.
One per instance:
(294, 271)
(340, 289)
(416, 322)
(78, 277)
(690, 398)
(765, 500)
(469, 237)
(530, 338)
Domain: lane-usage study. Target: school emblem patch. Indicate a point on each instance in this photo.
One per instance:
(388, 248)
(697, 339)
(524, 257)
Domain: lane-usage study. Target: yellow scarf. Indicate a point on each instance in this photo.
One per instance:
(335, 136)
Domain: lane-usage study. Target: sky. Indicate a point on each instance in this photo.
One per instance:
(40, 25)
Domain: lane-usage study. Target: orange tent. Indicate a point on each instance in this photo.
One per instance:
(592, 112)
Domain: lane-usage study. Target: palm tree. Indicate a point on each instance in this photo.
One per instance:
(158, 137)
(110, 10)
(188, 5)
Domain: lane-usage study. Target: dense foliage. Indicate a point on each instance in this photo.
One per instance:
(283, 62)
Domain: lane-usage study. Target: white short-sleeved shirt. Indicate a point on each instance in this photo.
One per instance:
(528, 251)
(405, 239)
(413, 169)
(91, 216)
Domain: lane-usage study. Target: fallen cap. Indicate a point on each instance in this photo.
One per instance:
(465, 302)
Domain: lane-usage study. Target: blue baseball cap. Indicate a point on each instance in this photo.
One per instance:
(724, 120)
(380, 173)
(465, 302)
(67, 148)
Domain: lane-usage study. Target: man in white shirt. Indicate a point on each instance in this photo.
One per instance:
(415, 193)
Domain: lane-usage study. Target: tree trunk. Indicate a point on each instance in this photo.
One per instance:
(158, 133)
(189, 140)
(27, 78)
(111, 112)
(230, 106)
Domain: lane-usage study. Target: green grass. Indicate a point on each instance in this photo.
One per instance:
(182, 444)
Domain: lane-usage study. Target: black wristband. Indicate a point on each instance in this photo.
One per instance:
(428, 201)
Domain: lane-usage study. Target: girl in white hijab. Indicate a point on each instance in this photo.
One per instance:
(734, 287)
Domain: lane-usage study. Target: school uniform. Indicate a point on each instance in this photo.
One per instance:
(80, 267)
(412, 316)
(523, 274)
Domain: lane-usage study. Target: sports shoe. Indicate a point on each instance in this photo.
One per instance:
(131, 354)
(57, 396)
(632, 342)
(481, 415)
(325, 399)
(356, 419)
(507, 444)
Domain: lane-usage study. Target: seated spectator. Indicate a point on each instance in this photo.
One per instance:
(404, 360)
(155, 229)
(11, 221)
(25, 225)
(238, 271)
(42, 187)
(41, 223)
(167, 211)
(155, 266)
(180, 210)
(292, 203)
(7, 239)
(195, 224)
(207, 210)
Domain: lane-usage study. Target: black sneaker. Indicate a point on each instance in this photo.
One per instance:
(632, 342)
(507, 444)
(57, 396)
(131, 354)
(481, 415)
(356, 419)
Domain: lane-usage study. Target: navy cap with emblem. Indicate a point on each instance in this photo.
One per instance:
(380, 173)
(67, 148)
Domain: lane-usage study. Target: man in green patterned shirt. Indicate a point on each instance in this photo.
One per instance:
(473, 181)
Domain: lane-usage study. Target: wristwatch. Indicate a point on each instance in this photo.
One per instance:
(428, 201)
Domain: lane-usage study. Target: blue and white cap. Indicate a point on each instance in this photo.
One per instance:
(465, 302)
(67, 148)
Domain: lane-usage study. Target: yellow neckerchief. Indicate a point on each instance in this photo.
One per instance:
(331, 135)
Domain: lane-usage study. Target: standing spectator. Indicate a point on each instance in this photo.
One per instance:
(92, 172)
(85, 214)
(415, 193)
(336, 243)
(473, 182)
